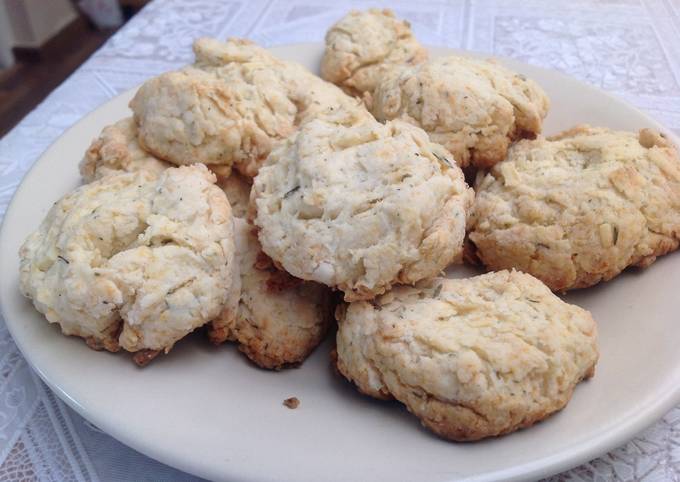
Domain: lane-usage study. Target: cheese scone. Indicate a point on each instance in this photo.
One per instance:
(471, 358)
(116, 150)
(231, 106)
(580, 207)
(475, 108)
(133, 260)
(361, 208)
(363, 45)
(279, 319)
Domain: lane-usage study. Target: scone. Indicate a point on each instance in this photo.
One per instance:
(134, 261)
(361, 208)
(237, 189)
(279, 319)
(363, 45)
(471, 358)
(231, 106)
(475, 108)
(578, 208)
(116, 150)
(312, 96)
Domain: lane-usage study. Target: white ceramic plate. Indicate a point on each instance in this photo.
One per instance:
(208, 411)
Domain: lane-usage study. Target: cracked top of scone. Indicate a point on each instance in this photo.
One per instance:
(473, 107)
(578, 208)
(361, 208)
(363, 45)
(231, 106)
(116, 150)
(134, 260)
(473, 357)
(280, 319)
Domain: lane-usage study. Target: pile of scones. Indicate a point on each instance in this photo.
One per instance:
(247, 196)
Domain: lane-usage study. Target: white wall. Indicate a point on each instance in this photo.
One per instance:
(34, 22)
(6, 39)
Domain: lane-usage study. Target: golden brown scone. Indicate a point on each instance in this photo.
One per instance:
(475, 108)
(232, 106)
(578, 208)
(363, 45)
(116, 150)
(279, 319)
(471, 358)
(361, 208)
(133, 260)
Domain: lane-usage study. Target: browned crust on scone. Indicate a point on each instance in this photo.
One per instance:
(456, 421)
(340, 368)
(110, 343)
(144, 357)
(279, 356)
(645, 192)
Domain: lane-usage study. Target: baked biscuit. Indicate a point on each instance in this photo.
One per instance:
(363, 45)
(237, 189)
(578, 208)
(135, 260)
(361, 208)
(231, 106)
(475, 108)
(280, 319)
(471, 358)
(193, 116)
(116, 150)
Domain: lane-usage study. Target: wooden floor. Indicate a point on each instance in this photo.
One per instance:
(37, 73)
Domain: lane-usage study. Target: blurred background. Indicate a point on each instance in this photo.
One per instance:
(43, 41)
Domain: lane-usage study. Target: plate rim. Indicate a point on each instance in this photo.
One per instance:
(568, 458)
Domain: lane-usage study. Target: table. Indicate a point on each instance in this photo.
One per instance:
(628, 47)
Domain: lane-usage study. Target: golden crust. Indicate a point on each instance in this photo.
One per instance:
(475, 108)
(116, 150)
(471, 358)
(578, 208)
(232, 106)
(279, 320)
(363, 45)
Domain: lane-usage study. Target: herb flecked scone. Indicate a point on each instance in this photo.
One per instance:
(361, 208)
(280, 319)
(231, 106)
(134, 260)
(363, 45)
(475, 108)
(580, 207)
(471, 358)
(117, 150)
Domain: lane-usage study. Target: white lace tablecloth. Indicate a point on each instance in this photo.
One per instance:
(628, 47)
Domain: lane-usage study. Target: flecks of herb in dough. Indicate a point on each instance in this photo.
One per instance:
(291, 192)
(437, 291)
(442, 159)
